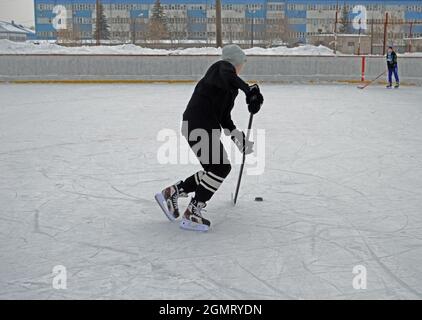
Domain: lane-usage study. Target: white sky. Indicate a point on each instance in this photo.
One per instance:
(21, 11)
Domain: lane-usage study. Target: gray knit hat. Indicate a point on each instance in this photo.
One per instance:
(233, 54)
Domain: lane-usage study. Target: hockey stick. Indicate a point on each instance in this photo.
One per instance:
(243, 161)
(371, 82)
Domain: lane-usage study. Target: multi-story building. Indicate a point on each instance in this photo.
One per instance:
(263, 20)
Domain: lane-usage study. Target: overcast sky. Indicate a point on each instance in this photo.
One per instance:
(21, 11)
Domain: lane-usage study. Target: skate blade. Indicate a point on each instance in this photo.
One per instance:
(193, 226)
(163, 205)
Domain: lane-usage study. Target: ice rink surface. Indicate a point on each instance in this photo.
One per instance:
(342, 187)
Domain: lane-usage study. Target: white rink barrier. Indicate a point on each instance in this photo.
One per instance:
(132, 68)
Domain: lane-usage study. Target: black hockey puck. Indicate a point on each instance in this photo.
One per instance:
(259, 199)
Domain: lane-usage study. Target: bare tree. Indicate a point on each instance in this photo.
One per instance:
(121, 32)
(276, 31)
(70, 36)
(157, 28)
(229, 28)
(178, 26)
(343, 22)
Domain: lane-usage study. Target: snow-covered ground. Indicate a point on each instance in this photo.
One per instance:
(342, 187)
(9, 47)
(47, 47)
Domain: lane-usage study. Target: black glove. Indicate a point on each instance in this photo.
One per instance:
(254, 99)
(239, 139)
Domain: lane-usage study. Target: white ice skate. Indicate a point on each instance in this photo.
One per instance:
(168, 201)
(193, 219)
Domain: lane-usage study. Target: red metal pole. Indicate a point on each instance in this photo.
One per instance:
(363, 68)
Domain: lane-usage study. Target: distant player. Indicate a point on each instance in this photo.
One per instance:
(392, 68)
(208, 112)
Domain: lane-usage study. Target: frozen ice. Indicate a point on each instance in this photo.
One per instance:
(342, 187)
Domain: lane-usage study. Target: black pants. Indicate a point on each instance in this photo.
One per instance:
(214, 161)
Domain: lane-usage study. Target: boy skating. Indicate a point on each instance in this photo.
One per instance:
(392, 68)
(208, 112)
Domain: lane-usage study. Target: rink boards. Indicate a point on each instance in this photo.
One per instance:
(144, 68)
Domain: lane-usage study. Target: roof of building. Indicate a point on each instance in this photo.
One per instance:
(6, 27)
(340, 35)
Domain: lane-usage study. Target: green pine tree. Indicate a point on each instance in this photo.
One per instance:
(158, 12)
(104, 28)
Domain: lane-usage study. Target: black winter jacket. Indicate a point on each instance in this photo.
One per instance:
(391, 60)
(213, 98)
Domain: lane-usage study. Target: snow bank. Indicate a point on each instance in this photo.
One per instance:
(413, 54)
(9, 47)
(298, 51)
(46, 47)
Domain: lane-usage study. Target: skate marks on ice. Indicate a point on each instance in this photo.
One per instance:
(342, 187)
(357, 161)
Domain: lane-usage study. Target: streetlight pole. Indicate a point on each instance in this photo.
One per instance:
(97, 22)
(335, 30)
(372, 34)
(133, 30)
(218, 26)
(385, 33)
(360, 30)
(252, 26)
(410, 36)
(73, 40)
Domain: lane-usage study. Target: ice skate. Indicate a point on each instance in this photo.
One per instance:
(389, 86)
(397, 85)
(193, 219)
(168, 200)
